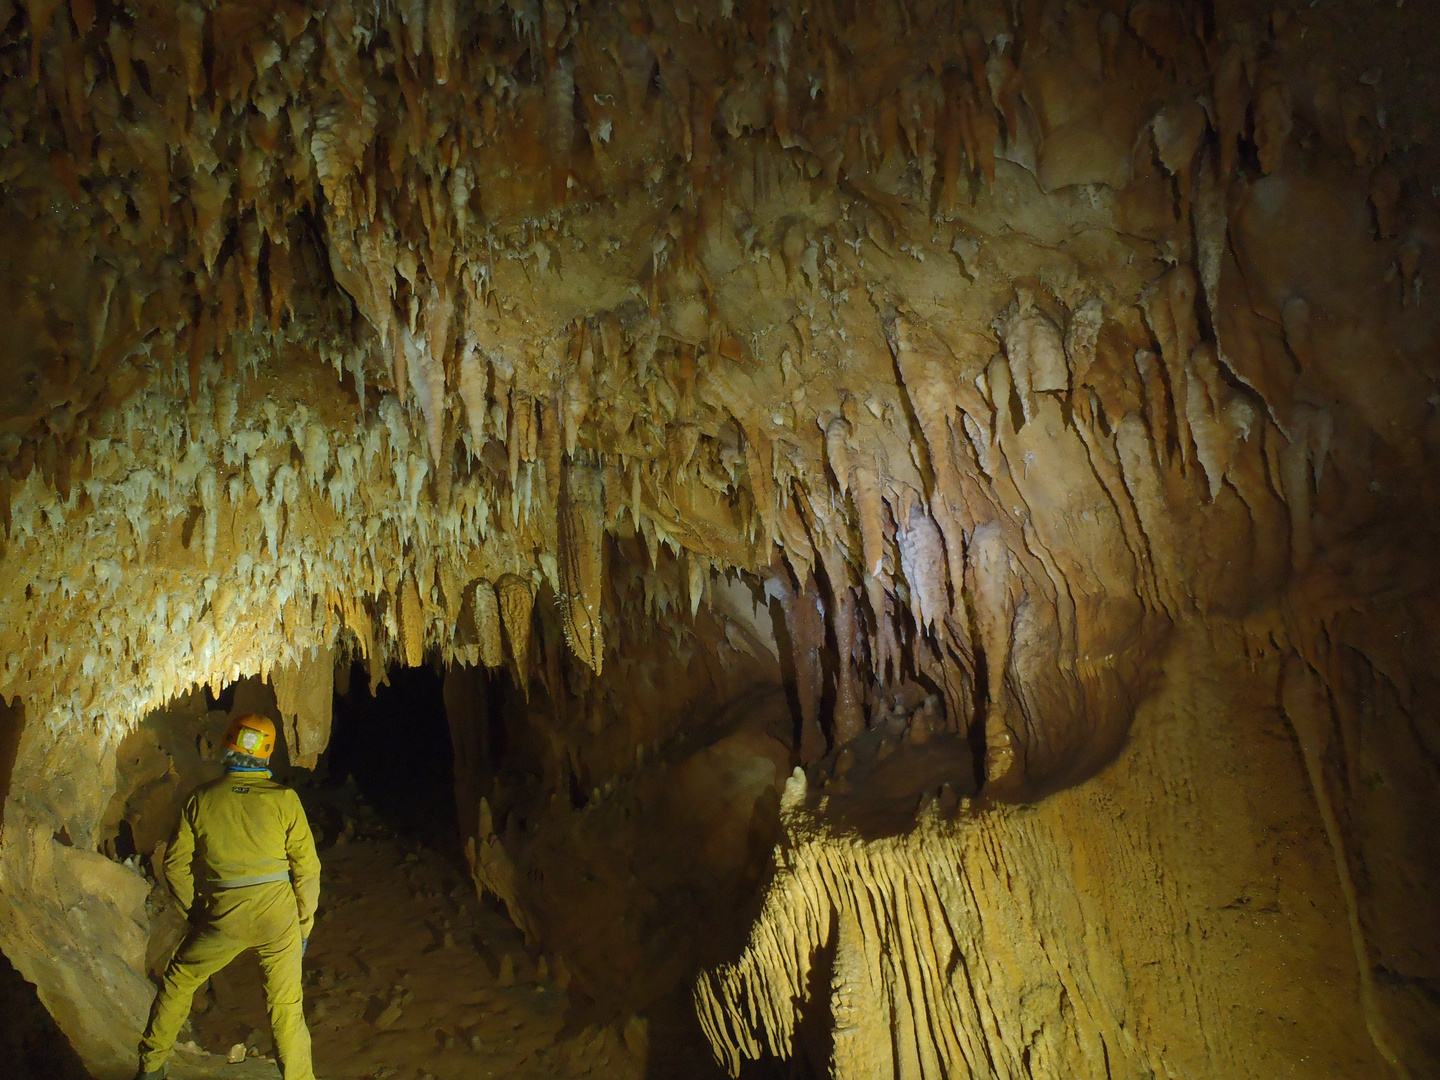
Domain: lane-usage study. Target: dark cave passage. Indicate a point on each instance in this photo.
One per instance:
(402, 925)
(396, 746)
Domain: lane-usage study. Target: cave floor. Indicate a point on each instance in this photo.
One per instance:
(408, 976)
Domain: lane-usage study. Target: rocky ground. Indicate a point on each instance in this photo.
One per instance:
(409, 976)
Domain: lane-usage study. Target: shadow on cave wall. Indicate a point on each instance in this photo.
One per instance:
(32, 1046)
(12, 720)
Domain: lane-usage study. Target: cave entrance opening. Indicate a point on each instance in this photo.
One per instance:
(409, 971)
(407, 769)
(394, 746)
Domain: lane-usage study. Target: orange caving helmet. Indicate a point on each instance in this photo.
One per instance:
(251, 734)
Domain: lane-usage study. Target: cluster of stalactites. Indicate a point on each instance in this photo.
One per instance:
(206, 541)
(929, 511)
(228, 167)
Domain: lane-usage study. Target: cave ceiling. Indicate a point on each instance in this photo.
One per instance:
(825, 412)
(1003, 336)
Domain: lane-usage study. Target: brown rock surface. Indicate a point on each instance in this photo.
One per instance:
(974, 373)
(1115, 922)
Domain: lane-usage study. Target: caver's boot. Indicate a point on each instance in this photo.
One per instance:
(158, 1074)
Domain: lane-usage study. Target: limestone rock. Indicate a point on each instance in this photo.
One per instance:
(960, 354)
(487, 624)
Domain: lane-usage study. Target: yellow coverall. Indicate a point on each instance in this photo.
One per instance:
(259, 888)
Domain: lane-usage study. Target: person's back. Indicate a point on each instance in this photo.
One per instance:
(258, 887)
(244, 829)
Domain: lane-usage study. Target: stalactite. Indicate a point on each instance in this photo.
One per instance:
(412, 623)
(516, 602)
(486, 607)
(582, 531)
(923, 562)
(870, 509)
(473, 388)
(990, 567)
(1036, 351)
(837, 449)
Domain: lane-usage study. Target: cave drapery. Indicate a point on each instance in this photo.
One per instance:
(948, 486)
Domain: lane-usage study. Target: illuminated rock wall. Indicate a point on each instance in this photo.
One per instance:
(1115, 929)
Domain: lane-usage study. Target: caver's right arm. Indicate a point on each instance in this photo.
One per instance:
(179, 855)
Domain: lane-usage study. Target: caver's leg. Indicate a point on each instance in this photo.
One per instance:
(205, 951)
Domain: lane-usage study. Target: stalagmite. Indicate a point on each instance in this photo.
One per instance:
(494, 872)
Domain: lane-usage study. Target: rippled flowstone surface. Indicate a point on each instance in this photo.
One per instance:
(1113, 927)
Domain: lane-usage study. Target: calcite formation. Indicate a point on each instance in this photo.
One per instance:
(932, 963)
(949, 360)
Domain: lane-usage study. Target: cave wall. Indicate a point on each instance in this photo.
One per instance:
(60, 896)
(988, 348)
(1117, 928)
(666, 859)
(86, 917)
